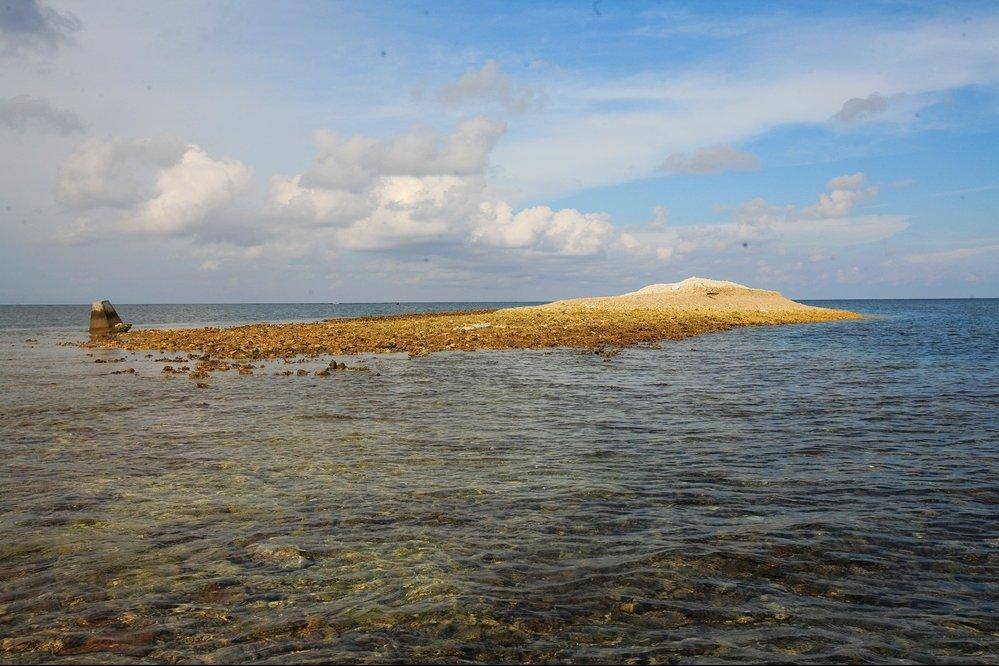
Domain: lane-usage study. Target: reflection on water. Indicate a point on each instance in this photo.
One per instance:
(800, 493)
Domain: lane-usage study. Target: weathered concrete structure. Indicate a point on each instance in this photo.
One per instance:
(104, 320)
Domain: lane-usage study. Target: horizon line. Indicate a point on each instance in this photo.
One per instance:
(124, 303)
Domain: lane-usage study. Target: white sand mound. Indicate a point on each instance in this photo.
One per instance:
(694, 293)
(690, 284)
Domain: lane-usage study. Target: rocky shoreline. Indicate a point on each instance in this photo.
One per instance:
(659, 312)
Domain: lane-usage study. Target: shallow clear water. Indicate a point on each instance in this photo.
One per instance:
(800, 493)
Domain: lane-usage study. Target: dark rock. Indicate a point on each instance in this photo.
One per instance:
(104, 320)
(332, 367)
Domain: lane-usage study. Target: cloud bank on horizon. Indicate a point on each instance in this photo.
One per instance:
(234, 157)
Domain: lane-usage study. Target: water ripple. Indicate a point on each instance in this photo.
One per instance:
(805, 493)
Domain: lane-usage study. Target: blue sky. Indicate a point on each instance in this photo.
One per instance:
(255, 151)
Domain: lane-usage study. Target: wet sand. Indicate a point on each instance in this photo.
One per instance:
(658, 312)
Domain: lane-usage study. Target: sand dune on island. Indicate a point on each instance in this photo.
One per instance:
(669, 311)
(694, 293)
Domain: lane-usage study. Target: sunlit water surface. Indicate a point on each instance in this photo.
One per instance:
(800, 493)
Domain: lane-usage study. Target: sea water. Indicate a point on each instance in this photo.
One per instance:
(798, 493)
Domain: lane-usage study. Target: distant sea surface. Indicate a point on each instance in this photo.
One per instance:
(808, 493)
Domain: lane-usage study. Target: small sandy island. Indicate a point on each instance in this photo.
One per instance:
(657, 312)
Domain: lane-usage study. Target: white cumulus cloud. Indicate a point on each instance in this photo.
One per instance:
(541, 229)
(845, 192)
(145, 186)
(113, 173)
(786, 228)
(188, 191)
(354, 162)
(488, 84)
(426, 189)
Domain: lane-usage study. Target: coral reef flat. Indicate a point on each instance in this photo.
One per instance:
(658, 312)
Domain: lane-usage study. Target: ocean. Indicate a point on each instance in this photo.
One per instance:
(806, 493)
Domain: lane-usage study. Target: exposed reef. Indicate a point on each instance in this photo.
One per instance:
(658, 312)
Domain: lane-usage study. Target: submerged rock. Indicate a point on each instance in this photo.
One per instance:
(333, 366)
(284, 555)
